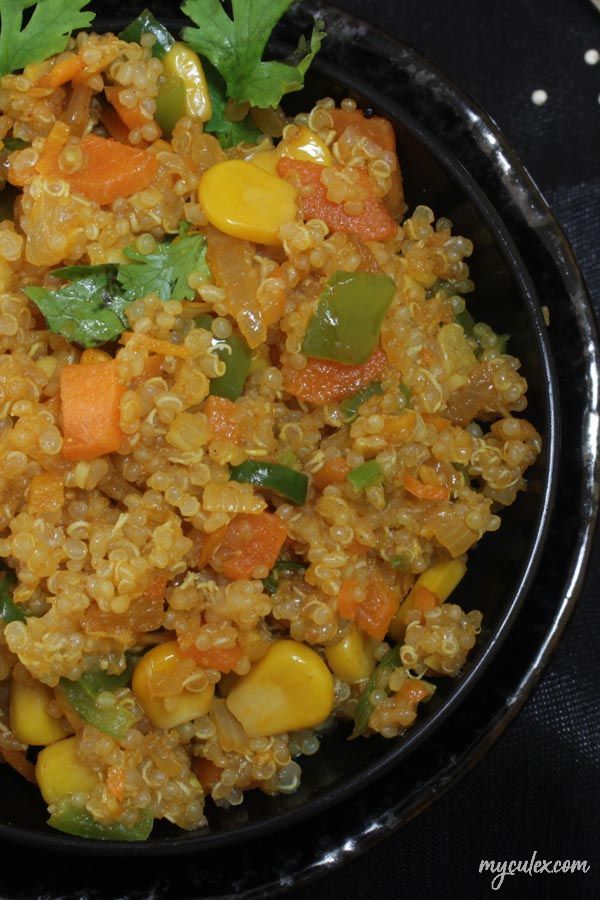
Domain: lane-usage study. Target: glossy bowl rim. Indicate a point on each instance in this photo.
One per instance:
(203, 840)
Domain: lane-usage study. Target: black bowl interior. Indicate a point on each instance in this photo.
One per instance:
(500, 569)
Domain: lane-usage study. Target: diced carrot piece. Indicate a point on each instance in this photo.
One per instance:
(220, 414)
(62, 71)
(381, 132)
(423, 599)
(47, 164)
(46, 494)
(326, 381)
(400, 428)
(210, 542)
(334, 471)
(349, 599)
(414, 691)
(90, 403)
(110, 170)
(378, 608)
(152, 366)
(144, 614)
(206, 772)
(376, 129)
(425, 491)
(224, 659)
(249, 542)
(115, 782)
(374, 223)
(155, 592)
(155, 345)
(133, 118)
(106, 57)
(53, 146)
(438, 422)
(115, 126)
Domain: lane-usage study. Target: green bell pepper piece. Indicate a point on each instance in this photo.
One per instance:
(346, 324)
(170, 103)
(284, 481)
(283, 568)
(12, 143)
(352, 404)
(9, 610)
(182, 87)
(364, 707)
(78, 821)
(147, 23)
(466, 320)
(81, 694)
(365, 476)
(235, 353)
(378, 680)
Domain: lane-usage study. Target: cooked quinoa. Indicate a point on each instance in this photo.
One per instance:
(260, 542)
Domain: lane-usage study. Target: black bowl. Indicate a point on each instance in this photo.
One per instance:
(501, 569)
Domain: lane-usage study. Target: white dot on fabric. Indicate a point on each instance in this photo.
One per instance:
(591, 57)
(539, 97)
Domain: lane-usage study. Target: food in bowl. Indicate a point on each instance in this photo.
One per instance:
(249, 429)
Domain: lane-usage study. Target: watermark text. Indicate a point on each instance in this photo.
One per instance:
(532, 866)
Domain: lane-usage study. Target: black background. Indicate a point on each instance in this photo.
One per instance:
(539, 788)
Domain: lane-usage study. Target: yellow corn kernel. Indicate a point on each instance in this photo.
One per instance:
(182, 62)
(246, 202)
(30, 721)
(349, 659)
(167, 712)
(302, 143)
(441, 579)
(291, 688)
(266, 160)
(60, 772)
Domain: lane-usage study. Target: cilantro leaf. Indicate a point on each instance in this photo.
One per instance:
(235, 48)
(166, 271)
(45, 34)
(88, 311)
(229, 134)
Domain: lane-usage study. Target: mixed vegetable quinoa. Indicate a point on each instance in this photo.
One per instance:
(249, 430)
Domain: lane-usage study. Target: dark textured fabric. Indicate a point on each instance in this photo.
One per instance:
(539, 788)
